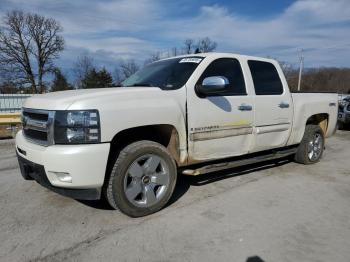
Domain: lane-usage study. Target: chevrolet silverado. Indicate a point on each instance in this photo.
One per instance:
(190, 114)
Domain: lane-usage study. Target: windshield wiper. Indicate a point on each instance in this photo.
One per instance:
(142, 84)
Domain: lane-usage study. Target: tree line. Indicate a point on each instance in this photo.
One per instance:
(30, 44)
(324, 79)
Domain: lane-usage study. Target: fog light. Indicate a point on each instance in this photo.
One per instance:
(63, 176)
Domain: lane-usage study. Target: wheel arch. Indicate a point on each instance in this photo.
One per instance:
(298, 130)
(164, 134)
(319, 119)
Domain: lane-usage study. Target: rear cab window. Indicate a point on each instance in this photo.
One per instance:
(266, 78)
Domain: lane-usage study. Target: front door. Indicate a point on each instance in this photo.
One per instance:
(220, 125)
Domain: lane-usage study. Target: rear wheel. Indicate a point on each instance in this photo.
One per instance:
(142, 179)
(340, 126)
(311, 147)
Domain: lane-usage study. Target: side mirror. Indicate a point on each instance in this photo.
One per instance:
(213, 85)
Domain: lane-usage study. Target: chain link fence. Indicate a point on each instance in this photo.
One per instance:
(10, 109)
(12, 103)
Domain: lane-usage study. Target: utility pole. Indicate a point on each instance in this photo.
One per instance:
(301, 58)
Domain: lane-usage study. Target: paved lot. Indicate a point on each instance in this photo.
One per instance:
(285, 212)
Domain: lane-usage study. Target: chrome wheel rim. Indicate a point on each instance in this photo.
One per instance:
(147, 180)
(315, 147)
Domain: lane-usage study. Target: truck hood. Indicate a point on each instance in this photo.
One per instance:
(64, 99)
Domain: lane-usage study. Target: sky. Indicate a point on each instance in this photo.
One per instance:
(110, 30)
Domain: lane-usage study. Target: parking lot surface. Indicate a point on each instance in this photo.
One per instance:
(267, 212)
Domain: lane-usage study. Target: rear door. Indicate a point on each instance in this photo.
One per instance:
(273, 105)
(220, 125)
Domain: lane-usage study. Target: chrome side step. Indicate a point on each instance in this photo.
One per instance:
(240, 162)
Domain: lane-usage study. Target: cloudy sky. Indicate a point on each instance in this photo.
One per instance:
(109, 30)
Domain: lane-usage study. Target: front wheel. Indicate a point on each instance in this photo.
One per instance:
(311, 147)
(142, 179)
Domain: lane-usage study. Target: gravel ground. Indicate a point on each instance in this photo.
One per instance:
(266, 212)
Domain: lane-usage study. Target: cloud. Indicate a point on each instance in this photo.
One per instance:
(110, 30)
(100, 29)
(321, 27)
(82, 16)
(123, 47)
(319, 11)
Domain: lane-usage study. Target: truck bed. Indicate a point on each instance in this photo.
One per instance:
(308, 104)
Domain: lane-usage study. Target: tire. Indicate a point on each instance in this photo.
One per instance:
(311, 148)
(142, 179)
(340, 126)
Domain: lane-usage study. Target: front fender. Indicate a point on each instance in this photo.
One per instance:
(136, 108)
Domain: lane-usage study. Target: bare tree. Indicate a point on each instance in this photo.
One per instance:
(287, 68)
(290, 73)
(15, 49)
(318, 79)
(82, 67)
(129, 67)
(189, 46)
(117, 76)
(205, 45)
(27, 38)
(8, 88)
(153, 58)
(48, 43)
(174, 51)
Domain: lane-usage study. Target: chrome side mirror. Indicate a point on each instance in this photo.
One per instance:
(213, 85)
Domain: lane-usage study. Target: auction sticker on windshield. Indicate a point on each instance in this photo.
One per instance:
(191, 60)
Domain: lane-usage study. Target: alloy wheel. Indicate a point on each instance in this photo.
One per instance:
(315, 147)
(147, 180)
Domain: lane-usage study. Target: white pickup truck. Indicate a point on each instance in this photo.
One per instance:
(192, 114)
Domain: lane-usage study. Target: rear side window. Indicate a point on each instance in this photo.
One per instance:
(231, 69)
(265, 77)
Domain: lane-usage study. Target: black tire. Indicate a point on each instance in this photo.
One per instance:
(115, 191)
(340, 126)
(302, 154)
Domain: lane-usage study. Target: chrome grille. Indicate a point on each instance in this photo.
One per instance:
(38, 125)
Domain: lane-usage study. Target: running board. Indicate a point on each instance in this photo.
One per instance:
(240, 162)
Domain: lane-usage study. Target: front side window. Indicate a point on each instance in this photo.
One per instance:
(166, 74)
(265, 77)
(229, 68)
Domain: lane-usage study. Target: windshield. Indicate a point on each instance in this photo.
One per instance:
(167, 74)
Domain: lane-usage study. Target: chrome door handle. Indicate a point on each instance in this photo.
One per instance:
(283, 105)
(245, 107)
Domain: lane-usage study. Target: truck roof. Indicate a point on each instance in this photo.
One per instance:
(219, 54)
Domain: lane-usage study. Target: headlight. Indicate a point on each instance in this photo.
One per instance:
(77, 127)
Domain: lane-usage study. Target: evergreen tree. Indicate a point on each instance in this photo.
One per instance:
(60, 82)
(97, 79)
(105, 78)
